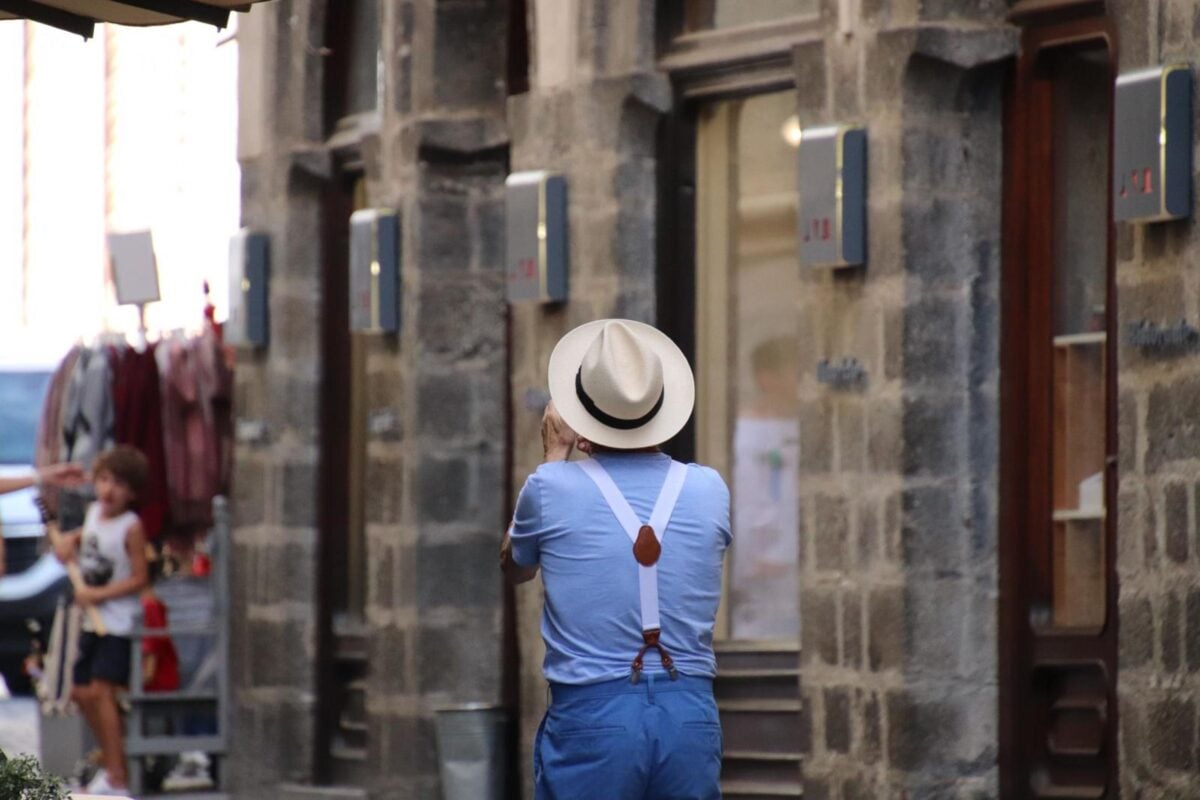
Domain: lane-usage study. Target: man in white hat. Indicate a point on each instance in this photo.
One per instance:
(630, 545)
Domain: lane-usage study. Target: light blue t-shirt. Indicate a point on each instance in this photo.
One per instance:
(592, 618)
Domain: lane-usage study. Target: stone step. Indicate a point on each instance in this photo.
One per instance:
(765, 706)
(757, 684)
(350, 738)
(1053, 792)
(775, 769)
(296, 791)
(341, 751)
(762, 755)
(347, 723)
(761, 726)
(737, 656)
(749, 674)
(759, 790)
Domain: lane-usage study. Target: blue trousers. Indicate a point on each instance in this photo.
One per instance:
(655, 740)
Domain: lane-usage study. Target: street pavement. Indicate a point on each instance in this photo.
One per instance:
(19, 726)
(19, 736)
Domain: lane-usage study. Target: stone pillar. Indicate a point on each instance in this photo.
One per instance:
(272, 649)
(898, 483)
(1159, 447)
(436, 498)
(435, 481)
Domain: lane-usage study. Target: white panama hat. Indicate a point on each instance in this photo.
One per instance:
(621, 384)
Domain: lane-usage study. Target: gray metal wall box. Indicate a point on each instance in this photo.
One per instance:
(375, 270)
(249, 289)
(832, 173)
(1152, 144)
(536, 209)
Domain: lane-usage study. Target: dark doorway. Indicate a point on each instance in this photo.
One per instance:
(1058, 458)
(340, 663)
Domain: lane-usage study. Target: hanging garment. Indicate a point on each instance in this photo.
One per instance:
(54, 687)
(86, 428)
(222, 402)
(138, 421)
(48, 448)
(214, 382)
(87, 419)
(49, 438)
(166, 661)
(185, 437)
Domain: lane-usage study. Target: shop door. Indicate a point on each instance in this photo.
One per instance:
(1058, 521)
(350, 108)
(342, 638)
(741, 187)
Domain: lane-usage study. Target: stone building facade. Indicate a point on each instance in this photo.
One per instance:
(376, 472)
(1158, 450)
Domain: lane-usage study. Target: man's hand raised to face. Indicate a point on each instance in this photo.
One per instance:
(558, 440)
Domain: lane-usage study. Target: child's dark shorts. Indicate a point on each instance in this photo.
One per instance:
(103, 658)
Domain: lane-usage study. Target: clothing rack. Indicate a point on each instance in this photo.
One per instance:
(170, 398)
(202, 695)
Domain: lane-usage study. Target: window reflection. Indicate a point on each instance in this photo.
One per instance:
(706, 14)
(1081, 97)
(766, 515)
(748, 350)
(362, 82)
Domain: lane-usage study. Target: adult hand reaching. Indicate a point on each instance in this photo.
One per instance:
(62, 475)
(57, 475)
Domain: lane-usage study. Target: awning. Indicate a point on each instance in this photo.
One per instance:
(81, 16)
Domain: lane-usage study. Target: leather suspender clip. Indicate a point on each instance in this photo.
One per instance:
(650, 637)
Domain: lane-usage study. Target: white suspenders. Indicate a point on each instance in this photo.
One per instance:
(647, 568)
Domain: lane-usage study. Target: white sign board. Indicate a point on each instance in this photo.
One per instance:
(135, 271)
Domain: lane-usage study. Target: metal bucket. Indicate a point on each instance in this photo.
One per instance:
(472, 742)
(65, 741)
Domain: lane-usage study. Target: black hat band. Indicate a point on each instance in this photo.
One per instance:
(609, 419)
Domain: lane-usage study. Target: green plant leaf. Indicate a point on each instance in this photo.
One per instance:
(22, 777)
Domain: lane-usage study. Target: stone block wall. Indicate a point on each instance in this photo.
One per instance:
(434, 602)
(898, 478)
(435, 481)
(1158, 560)
(437, 508)
(274, 565)
(898, 483)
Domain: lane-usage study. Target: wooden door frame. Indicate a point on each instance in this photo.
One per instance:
(1026, 291)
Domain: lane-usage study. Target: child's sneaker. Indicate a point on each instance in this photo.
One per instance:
(191, 771)
(100, 786)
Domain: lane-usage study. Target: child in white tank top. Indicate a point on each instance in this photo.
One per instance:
(110, 549)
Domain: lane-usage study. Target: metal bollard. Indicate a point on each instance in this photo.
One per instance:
(472, 742)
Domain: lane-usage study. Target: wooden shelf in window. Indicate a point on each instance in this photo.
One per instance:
(1079, 591)
(1079, 515)
(1080, 339)
(1079, 415)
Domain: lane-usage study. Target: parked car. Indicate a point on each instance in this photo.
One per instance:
(33, 578)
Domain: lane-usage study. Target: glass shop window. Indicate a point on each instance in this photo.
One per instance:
(1081, 97)
(702, 15)
(747, 350)
(352, 63)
